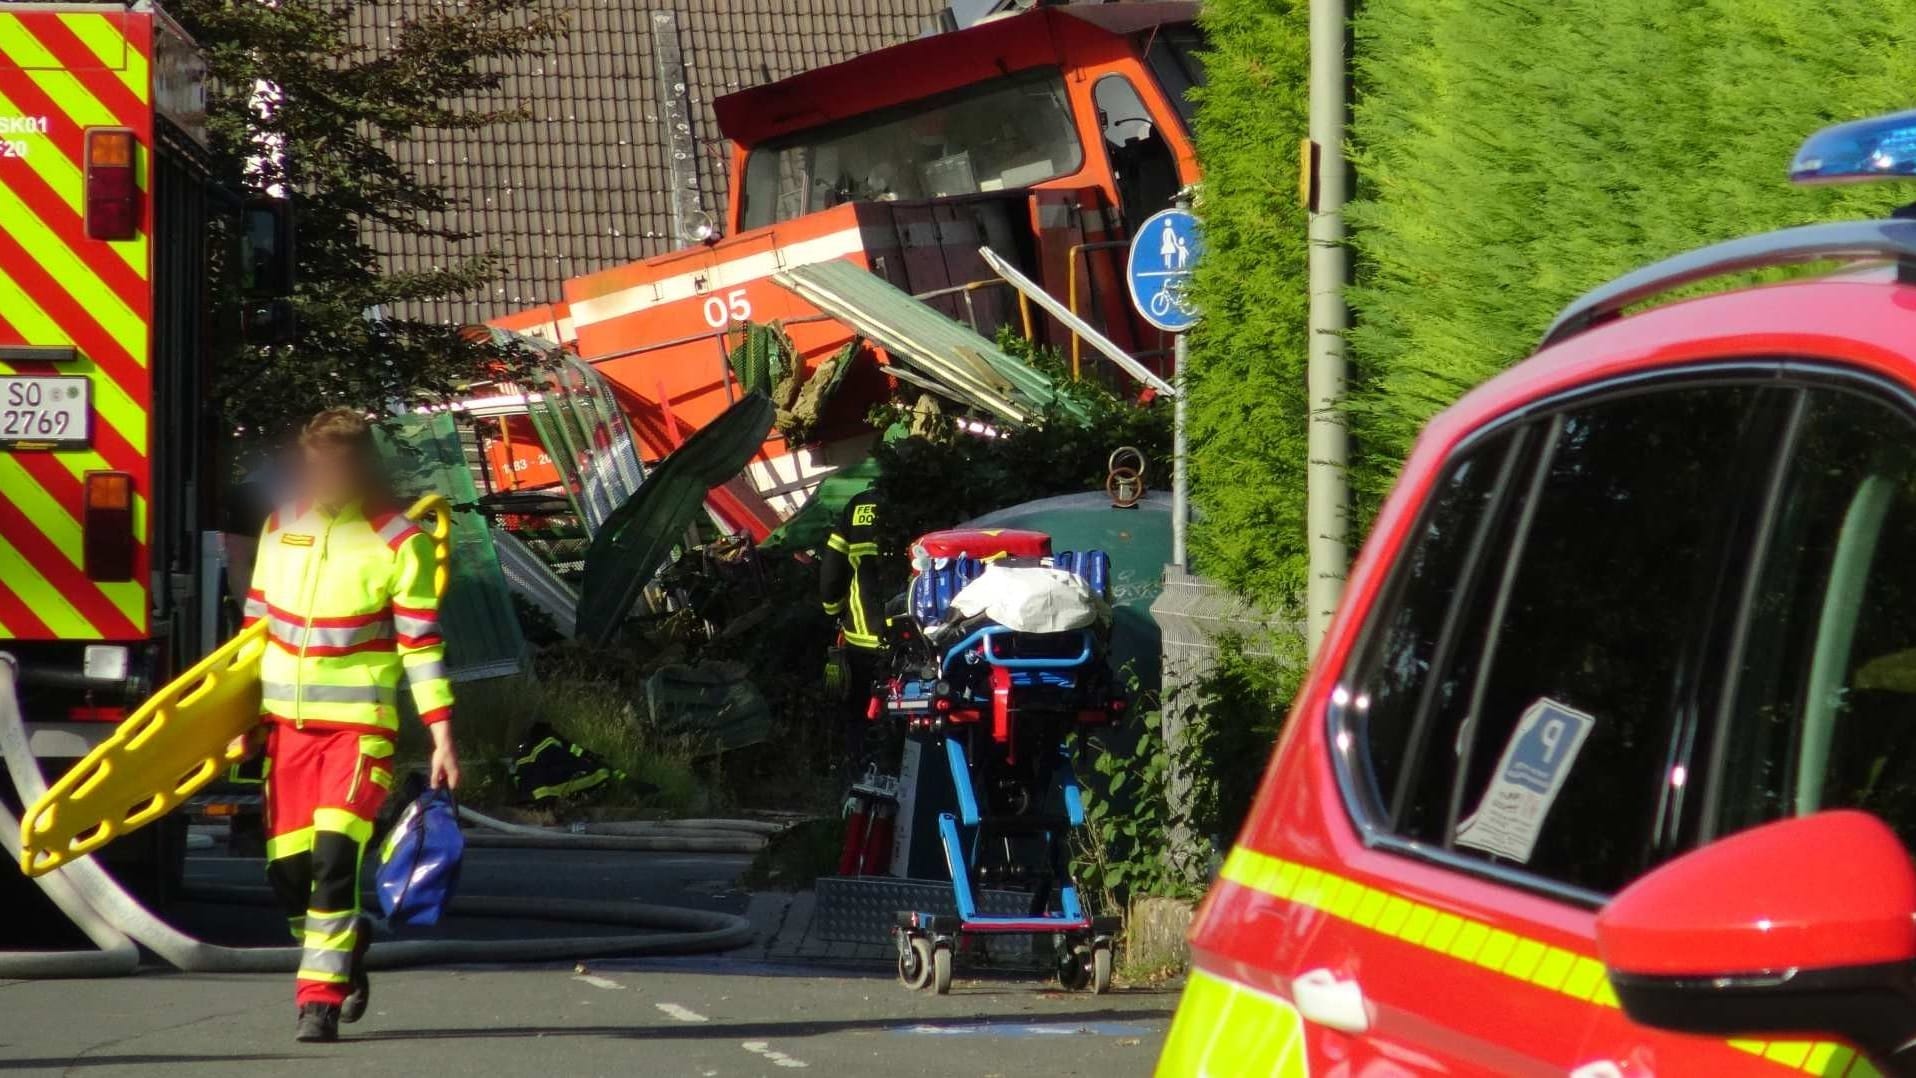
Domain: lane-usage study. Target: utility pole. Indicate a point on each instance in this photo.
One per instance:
(1327, 495)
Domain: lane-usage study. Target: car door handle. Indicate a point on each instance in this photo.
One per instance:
(1324, 1000)
(1601, 1068)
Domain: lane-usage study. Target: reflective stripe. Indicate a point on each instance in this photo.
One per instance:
(297, 925)
(329, 694)
(290, 844)
(342, 822)
(428, 670)
(295, 635)
(838, 542)
(329, 924)
(396, 530)
(1532, 962)
(415, 624)
(1223, 1027)
(331, 967)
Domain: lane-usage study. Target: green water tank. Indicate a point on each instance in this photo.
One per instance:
(1139, 542)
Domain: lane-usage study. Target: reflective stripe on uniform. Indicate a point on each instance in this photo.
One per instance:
(327, 955)
(396, 530)
(342, 822)
(329, 694)
(290, 844)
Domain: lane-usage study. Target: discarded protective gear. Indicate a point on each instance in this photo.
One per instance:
(324, 787)
(848, 574)
(350, 604)
(547, 766)
(318, 1023)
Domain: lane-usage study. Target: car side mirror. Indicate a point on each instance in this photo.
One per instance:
(1802, 927)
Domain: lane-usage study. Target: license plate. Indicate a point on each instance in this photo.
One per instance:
(45, 412)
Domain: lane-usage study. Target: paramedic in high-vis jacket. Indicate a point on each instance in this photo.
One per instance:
(849, 587)
(344, 582)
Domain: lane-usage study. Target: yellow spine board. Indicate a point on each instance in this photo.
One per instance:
(179, 740)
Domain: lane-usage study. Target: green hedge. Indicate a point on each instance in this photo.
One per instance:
(1509, 155)
(1246, 383)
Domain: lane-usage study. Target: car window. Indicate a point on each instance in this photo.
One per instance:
(1824, 707)
(1542, 733)
(1427, 580)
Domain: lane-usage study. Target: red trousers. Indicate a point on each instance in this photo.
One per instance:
(323, 788)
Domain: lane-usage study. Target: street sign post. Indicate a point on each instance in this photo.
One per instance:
(1164, 251)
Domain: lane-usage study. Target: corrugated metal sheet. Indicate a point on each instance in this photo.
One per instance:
(423, 454)
(966, 365)
(584, 182)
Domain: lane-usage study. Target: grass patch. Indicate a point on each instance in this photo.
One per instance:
(490, 718)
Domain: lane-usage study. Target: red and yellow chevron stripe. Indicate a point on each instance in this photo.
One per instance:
(63, 70)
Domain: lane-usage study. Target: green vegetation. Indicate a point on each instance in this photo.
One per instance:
(1246, 381)
(344, 105)
(1510, 156)
(661, 775)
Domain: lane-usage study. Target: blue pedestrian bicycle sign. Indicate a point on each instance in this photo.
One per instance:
(1163, 254)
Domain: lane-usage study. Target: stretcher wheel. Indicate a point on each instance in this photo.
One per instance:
(941, 970)
(1101, 970)
(1074, 968)
(915, 964)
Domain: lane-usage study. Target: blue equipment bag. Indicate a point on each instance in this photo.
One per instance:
(419, 862)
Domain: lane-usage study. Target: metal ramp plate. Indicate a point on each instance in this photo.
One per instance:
(863, 909)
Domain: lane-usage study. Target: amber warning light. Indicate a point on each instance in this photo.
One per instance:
(107, 535)
(112, 187)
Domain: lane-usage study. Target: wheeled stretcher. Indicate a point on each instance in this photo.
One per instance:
(993, 676)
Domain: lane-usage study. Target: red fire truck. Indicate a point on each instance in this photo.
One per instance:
(105, 474)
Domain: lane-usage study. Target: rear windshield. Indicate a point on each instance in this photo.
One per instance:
(998, 135)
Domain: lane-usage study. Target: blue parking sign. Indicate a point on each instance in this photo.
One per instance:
(1164, 251)
(1536, 760)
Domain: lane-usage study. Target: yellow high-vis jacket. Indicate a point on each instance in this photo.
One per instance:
(349, 603)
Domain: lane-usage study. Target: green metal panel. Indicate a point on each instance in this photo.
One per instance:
(423, 455)
(811, 526)
(640, 534)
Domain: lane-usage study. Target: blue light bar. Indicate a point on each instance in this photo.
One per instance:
(1879, 148)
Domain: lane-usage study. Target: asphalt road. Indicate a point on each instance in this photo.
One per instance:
(704, 1017)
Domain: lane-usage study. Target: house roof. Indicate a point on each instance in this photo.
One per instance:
(586, 181)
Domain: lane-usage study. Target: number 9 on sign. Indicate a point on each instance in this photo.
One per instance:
(721, 311)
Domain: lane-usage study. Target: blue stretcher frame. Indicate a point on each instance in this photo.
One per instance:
(1070, 916)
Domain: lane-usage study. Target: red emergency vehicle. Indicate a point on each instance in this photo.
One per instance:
(108, 555)
(1046, 136)
(1607, 765)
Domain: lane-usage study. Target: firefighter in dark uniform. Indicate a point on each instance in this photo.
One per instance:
(851, 591)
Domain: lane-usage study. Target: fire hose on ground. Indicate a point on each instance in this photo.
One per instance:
(118, 925)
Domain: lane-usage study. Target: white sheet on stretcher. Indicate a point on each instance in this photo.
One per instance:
(1031, 599)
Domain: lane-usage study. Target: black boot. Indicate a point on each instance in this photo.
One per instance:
(361, 986)
(318, 1023)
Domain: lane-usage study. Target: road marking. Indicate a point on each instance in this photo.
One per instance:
(683, 1014)
(599, 982)
(761, 1048)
